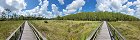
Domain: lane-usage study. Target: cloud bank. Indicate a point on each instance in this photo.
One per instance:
(13, 5)
(123, 6)
(75, 6)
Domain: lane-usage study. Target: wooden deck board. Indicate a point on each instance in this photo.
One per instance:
(28, 33)
(104, 33)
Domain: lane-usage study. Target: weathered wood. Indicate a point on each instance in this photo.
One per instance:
(14, 35)
(94, 33)
(104, 33)
(116, 34)
(37, 33)
(28, 33)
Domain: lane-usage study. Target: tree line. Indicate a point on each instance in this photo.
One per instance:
(89, 16)
(99, 16)
(8, 15)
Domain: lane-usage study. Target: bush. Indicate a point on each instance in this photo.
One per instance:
(46, 21)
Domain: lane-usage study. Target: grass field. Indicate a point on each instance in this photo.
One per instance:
(7, 27)
(65, 30)
(129, 29)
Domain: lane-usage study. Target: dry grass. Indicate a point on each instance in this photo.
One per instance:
(129, 29)
(7, 27)
(65, 30)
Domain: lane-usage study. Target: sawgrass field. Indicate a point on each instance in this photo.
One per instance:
(7, 27)
(65, 29)
(129, 29)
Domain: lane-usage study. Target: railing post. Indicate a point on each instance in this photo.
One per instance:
(20, 32)
(39, 36)
(93, 34)
(16, 34)
(116, 34)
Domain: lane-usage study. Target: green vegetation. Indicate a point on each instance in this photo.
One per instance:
(7, 14)
(129, 29)
(46, 21)
(90, 16)
(65, 29)
(7, 27)
(98, 16)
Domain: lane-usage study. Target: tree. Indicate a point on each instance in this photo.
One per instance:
(3, 16)
(58, 17)
(21, 17)
(8, 11)
(99, 16)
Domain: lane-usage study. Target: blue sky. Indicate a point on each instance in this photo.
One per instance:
(31, 4)
(53, 8)
(88, 7)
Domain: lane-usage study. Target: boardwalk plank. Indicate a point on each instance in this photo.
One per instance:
(104, 33)
(28, 33)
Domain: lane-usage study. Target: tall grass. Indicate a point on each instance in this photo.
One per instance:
(7, 27)
(129, 29)
(65, 30)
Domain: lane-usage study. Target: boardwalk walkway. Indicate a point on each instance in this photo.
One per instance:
(28, 33)
(104, 33)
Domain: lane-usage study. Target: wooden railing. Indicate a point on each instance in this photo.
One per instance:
(114, 34)
(16, 35)
(94, 33)
(39, 36)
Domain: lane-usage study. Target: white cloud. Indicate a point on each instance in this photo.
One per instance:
(13, 5)
(129, 4)
(80, 9)
(61, 2)
(122, 6)
(18, 4)
(71, 11)
(37, 10)
(49, 14)
(74, 6)
(44, 6)
(64, 11)
(1, 10)
(40, 2)
(55, 10)
(102, 7)
(42, 11)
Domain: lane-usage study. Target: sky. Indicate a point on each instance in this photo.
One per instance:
(53, 8)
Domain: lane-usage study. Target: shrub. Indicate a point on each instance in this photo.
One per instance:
(46, 21)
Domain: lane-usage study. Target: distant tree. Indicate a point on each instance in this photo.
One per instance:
(21, 17)
(58, 17)
(99, 16)
(3, 16)
(8, 12)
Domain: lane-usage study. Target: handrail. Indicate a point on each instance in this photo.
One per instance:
(16, 35)
(94, 33)
(39, 36)
(115, 35)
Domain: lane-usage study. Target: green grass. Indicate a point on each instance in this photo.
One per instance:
(129, 29)
(64, 29)
(7, 27)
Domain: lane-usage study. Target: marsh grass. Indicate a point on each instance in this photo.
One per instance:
(64, 29)
(7, 27)
(129, 29)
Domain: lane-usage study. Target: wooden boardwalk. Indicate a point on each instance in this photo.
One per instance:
(104, 33)
(28, 33)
